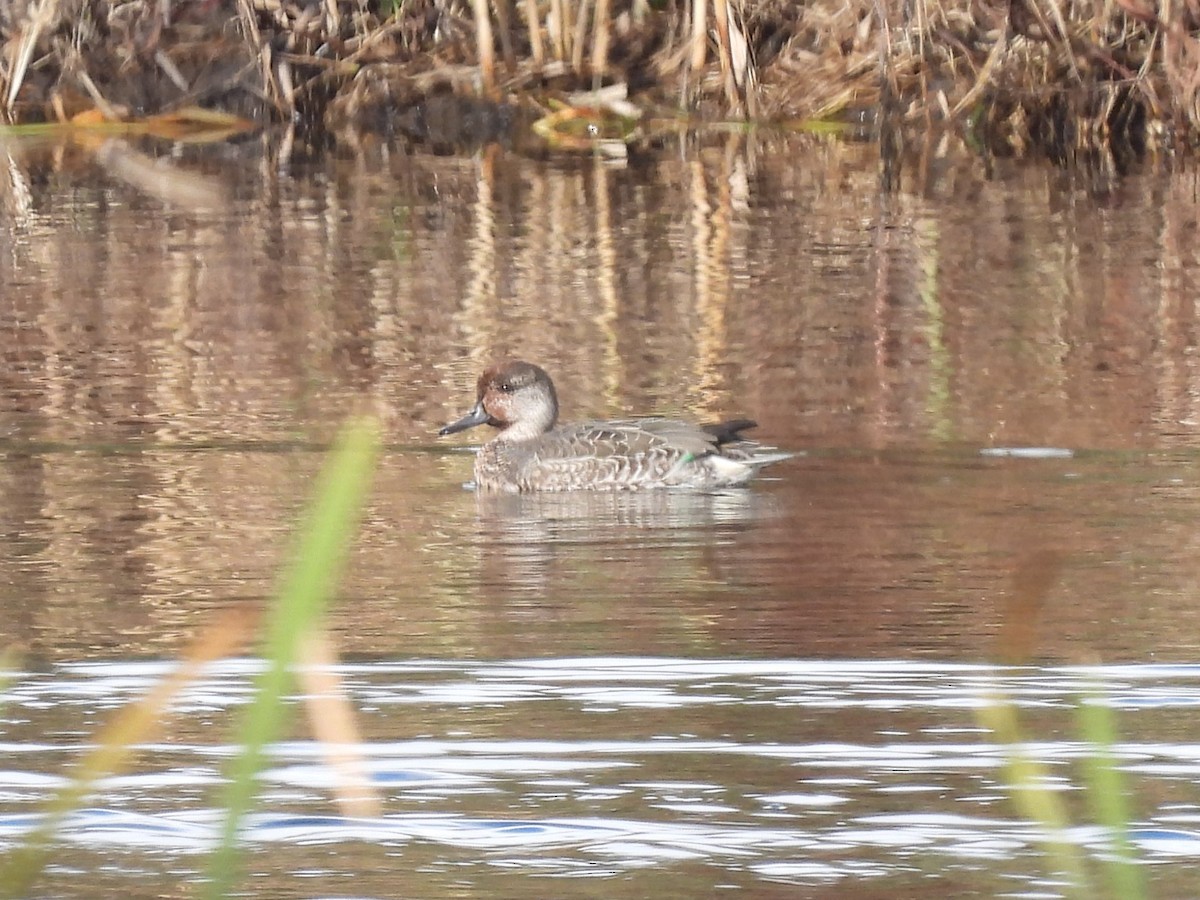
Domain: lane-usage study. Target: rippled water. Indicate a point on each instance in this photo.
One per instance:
(653, 775)
(987, 371)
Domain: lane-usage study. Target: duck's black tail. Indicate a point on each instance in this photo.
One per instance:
(730, 432)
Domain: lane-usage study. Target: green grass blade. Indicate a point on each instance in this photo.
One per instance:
(1025, 779)
(1107, 798)
(305, 592)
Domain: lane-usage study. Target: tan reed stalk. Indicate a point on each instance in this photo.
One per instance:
(487, 53)
(287, 86)
(699, 34)
(534, 26)
(734, 55)
(1064, 34)
(129, 730)
(724, 55)
(331, 716)
(580, 38)
(745, 72)
(559, 28)
(333, 20)
(262, 49)
(1180, 62)
(600, 42)
(985, 75)
(39, 20)
(106, 109)
(887, 71)
(504, 21)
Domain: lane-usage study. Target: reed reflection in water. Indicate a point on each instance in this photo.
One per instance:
(168, 379)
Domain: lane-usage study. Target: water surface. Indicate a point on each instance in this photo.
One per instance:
(626, 777)
(988, 374)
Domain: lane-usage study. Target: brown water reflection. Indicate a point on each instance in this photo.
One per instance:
(165, 378)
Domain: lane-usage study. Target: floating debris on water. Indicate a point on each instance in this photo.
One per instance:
(1029, 452)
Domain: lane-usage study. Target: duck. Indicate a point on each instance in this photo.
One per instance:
(531, 452)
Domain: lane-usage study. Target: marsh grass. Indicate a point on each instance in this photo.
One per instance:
(1028, 780)
(1107, 796)
(1029, 786)
(292, 637)
(295, 618)
(1036, 799)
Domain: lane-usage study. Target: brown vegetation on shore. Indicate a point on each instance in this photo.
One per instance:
(1021, 72)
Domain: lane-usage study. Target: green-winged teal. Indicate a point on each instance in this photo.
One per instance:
(530, 454)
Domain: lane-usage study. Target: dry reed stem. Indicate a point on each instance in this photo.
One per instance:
(38, 21)
(120, 740)
(287, 87)
(333, 19)
(171, 71)
(106, 109)
(261, 51)
(533, 26)
(483, 42)
(1060, 23)
(600, 42)
(737, 61)
(559, 28)
(335, 727)
(1181, 60)
(983, 80)
(724, 55)
(504, 21)
(699, 34)
(579, 40)
(887, 72)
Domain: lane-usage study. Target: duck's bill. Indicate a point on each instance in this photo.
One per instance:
(477, 416)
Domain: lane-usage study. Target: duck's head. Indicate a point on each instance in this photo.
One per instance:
(514, 396)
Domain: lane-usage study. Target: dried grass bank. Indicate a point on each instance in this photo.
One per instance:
(1016, 74)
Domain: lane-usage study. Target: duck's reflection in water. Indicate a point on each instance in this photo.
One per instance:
(633, 543)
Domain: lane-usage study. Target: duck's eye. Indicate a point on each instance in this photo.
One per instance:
(507, 387)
